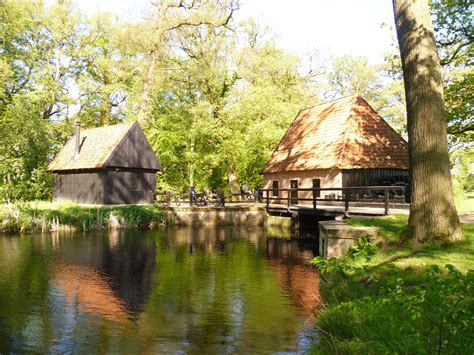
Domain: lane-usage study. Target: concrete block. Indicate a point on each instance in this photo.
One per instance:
(336, 237)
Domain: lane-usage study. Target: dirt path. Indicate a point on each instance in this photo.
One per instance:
(467, 217)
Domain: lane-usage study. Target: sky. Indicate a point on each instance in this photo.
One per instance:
(332, 26)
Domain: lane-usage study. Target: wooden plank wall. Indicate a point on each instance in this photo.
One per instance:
(119, 187)
(135, 152)
(373, 177)
(107, 187)
(80, 188)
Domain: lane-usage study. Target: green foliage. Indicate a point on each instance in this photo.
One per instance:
(214, 95)
(452, 20)
(374, 312)
(353, 75)
(459, 95)
(38, 62)
(463, 176)
(386, 300)
(225, 107)
(391, 227)
(348, 75)
(362, 250)
(436, 317)
(23, 150)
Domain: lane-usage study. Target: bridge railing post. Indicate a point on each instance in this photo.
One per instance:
(314, 199)
(267, 197)
(222, 198)
(386, 196)
(346, 202)
(288, 196)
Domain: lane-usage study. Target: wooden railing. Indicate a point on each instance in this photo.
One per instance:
(292, 197)
(205, 199)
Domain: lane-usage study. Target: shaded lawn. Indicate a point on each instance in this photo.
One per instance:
(459, 254)
(465, 204)
(378, 307)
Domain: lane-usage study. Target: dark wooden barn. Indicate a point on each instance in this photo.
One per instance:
(106, 165)
(343, 143)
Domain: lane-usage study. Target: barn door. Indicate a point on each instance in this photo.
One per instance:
(294, 192)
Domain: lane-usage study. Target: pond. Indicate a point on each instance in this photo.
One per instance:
(176, 290)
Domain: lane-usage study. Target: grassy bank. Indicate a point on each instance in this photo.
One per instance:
(35, 217)
(390, 298)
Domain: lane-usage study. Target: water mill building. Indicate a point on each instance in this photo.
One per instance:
(342, 143)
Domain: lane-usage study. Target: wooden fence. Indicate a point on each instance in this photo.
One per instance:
(367, 195)
(205, 199)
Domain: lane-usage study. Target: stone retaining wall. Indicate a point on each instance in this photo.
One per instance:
(336, 237)
(215, 216)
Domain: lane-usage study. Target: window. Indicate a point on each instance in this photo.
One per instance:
(135, 182)
(317, 185)
(275, 189)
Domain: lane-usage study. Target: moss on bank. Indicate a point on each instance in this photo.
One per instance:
(401, 299)
(35, 217)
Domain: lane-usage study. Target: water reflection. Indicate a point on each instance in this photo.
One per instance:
(205, 290)
(289, 259)
(89, 291)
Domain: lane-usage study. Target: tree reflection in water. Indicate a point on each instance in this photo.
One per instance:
(207, 290)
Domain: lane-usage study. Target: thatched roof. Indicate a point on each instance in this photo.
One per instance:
(346, 134)
(100, 145)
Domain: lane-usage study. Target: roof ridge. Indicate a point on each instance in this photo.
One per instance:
(130, 123)
(330, 102)
(346, 133)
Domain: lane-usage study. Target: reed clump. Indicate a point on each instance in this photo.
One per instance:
(39, 217)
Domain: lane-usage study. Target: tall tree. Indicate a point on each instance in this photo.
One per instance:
(433, 215)
(38, 61)
(348, 75)
(223, 108)
(453, 25)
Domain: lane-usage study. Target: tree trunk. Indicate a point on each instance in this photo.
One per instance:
(234, 183)
(145, 104)
(192, 164)
(433, 215)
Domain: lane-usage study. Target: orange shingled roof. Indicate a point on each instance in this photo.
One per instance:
(346, 133)
(98, 145)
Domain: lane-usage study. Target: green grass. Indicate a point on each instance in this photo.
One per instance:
(41, 216)
(465, 203)
(395, 302)
(459, 254)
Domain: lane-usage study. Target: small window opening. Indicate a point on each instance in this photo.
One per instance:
(317, 185)
(275, 189)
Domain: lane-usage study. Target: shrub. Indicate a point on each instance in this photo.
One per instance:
(374, 312)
